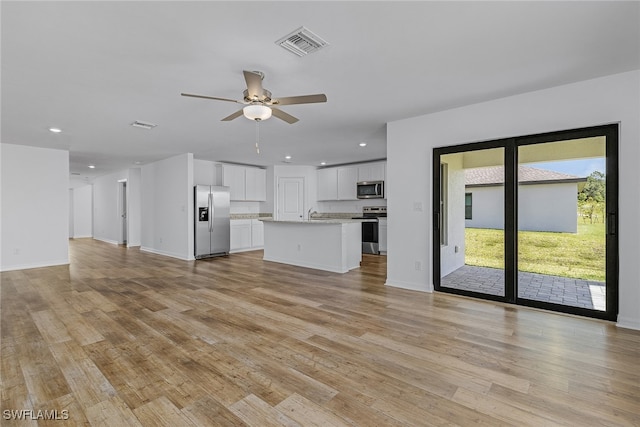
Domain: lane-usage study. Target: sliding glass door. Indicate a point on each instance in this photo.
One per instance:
(472, 239)
(530, 220)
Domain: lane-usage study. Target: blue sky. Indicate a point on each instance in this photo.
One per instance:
(581, 168)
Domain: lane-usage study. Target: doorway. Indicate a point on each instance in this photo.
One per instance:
(530, 220)
(122, 211)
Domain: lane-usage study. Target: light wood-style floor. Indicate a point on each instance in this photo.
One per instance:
(121, 337)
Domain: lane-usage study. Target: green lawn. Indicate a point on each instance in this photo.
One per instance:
(580, 255)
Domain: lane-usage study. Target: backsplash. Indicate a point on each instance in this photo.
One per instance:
(250, 215)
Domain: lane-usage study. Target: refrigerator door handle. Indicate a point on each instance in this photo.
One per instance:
(210, 211)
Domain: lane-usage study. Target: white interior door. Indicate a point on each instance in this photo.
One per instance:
(290, 199)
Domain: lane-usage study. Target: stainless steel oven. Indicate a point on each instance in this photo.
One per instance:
(370, 190)
(370, 229)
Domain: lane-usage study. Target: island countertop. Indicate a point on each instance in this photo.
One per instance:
(320, 220)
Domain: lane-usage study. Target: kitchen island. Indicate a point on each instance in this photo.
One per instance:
(324, 244)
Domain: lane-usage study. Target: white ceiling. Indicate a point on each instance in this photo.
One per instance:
(92, 68)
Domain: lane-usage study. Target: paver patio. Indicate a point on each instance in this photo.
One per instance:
(533, 286)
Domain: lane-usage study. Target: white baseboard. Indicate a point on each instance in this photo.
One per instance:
(408, 285)
(34, 265)
(113, 242)
(164, 253)
(628, 323)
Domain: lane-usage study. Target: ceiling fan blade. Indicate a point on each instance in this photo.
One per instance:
(232, 116)
(210, 97)
(283, 116)
(304, 99)
(254, 84)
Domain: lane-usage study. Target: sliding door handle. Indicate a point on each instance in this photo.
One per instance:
(611, 224)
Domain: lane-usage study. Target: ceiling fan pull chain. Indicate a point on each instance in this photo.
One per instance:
(257, 136)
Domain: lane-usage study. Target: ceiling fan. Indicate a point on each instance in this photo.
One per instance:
(259, 103)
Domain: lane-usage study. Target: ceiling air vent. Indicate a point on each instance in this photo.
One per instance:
(302, 42)
(143, 125)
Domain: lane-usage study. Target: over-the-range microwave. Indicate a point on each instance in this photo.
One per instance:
(370, 190)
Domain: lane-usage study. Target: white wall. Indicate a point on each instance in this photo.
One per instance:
(541, 207)
(167, 207)
(34, 207)
(410, 144)
(134, 200)
(487, 209)
(82, 217)
(548, 207)
(106, 216)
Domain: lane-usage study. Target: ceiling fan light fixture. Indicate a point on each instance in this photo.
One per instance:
(257, 112)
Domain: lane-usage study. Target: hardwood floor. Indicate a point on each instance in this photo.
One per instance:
(121, 337)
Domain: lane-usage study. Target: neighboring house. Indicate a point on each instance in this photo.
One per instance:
(548, 200)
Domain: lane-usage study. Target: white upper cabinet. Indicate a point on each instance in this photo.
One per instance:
(347, 179)
(372, 171)
(233, 177)
(328, 184)
(256, 184)
(339, 183)
(245, 183)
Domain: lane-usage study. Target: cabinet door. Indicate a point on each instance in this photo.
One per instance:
(234, 177)
(328, 184)
(257, 233)
(347, 180)
(382, 235)
(240, 234)
(372, 171)
(256, 184)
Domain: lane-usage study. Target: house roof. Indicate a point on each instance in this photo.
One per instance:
(494, 175)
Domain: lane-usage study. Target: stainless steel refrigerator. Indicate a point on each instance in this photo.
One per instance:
(212, 225)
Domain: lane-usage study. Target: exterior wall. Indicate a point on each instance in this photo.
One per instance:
(410, 143)
(541, 207)
(487, 207)
(548, 207)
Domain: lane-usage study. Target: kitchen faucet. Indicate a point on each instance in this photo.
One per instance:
(309, 214)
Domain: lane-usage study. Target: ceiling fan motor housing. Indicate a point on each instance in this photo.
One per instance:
(265, 98)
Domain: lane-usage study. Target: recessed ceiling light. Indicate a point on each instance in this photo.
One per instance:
(323, 163)
(92, 166)
(137, 162)
(363, 144)
(55, 130)
(287, 157)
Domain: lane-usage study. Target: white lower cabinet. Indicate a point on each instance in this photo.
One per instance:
(240, 235)
(382, 235)
(257, 234)
(246, 235)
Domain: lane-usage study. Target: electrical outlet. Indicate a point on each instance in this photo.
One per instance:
(298, 247)
(417, 206)
(418, 266)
